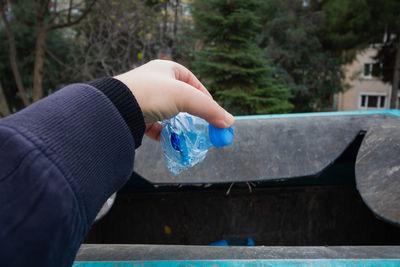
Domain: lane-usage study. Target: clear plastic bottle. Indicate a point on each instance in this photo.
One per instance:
(185, 140)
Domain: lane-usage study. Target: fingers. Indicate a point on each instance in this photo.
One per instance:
(186, 76)
(197, 103)
(153, 130)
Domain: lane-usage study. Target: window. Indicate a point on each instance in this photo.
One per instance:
(383, 101)
(372, 101)
(363, 100)
(367, 70)
(371, 70)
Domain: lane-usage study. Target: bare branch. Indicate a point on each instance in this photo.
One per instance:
(43, 9)
(59, 61)
(4, 109)
(69, 11)
(37, 90)
(72, 22)
(13, 57)
(36, 7)
(55, 6)
(57, 13)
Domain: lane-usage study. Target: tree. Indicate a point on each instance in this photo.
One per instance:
(231, 63)
(290, 39)
(44, 16)
(168, 14)
(351, 26)
(126, 35)
(58, 55)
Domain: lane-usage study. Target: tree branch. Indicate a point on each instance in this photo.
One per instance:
(56, 13)
(55, 6)
(43, 9)
(70, 22)
(13, 57)
(4, 109)
(69, 11)
(65, 66)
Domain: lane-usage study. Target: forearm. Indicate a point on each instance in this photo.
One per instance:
(71, 143)
(76, 147)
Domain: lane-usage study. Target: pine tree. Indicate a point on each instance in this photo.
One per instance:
(290, 38)
(231, 63)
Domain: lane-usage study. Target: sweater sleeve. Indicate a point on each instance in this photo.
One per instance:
(60, 159)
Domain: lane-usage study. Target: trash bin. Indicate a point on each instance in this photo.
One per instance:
(318, 179)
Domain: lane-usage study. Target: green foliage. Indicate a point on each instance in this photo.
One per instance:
(184, 45)
(232, 64)
(352, 26)
(358, 23)
(291, 40)
(348, 22)
(386, 57)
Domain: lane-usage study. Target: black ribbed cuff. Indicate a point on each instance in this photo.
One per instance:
(126, 103)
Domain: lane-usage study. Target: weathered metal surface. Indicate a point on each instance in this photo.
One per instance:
(252, 263)
(162, 255)
(263, 149)
(288, 147)
(109, 252)
(378, 170)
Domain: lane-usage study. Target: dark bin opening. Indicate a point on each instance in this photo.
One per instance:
(309, 211)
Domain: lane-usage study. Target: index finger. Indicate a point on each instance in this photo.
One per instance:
(186, 76)
(198, 104)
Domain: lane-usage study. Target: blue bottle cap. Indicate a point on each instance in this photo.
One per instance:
(220, 136)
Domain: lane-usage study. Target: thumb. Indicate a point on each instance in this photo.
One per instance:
(195, 102)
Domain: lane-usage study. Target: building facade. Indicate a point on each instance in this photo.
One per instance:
(366, 90)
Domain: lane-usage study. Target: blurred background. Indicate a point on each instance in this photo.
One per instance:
(256, 57)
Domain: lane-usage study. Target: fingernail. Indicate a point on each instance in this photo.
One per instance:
(229, 119)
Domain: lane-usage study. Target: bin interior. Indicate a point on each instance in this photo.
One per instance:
(309, 211)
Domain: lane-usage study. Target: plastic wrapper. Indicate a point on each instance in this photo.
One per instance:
(184, 141)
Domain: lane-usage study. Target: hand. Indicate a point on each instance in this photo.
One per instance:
(164, 88)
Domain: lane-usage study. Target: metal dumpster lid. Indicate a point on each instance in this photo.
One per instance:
(272, 147)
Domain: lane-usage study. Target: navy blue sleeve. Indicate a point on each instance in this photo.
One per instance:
(60, 159)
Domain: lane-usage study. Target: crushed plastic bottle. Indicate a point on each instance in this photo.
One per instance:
(185, 140)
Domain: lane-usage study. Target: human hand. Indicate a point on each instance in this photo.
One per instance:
(164, 88)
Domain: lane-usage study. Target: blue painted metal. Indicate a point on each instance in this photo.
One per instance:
(252, 263)
(389, 112)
